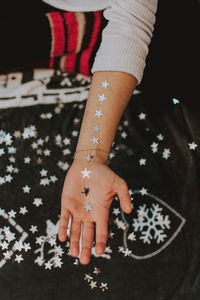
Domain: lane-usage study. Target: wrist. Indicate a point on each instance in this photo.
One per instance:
(91, 155)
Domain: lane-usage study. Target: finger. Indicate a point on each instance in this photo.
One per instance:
(87, 242)
(63, 223)
(75, 232)
(101, 236)
(124, 196)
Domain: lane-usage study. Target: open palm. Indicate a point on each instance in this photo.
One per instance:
(87, 195)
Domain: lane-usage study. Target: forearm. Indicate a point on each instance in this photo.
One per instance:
(117, 94)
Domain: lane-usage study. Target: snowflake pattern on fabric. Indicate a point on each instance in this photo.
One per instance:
(150, 221)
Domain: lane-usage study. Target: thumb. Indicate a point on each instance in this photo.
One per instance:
(124, 196)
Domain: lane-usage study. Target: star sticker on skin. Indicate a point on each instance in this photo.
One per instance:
(102, 98)
(88, 207)
(95, 140)
(98, 113)
(86, 191)
(89, 158)
(96, 128)
(105, 84)
(86, 173)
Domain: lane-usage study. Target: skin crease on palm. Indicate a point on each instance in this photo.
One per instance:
(104, 184)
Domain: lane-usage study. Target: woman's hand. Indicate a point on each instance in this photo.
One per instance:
(88, 200)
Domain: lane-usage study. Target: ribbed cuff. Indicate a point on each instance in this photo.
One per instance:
(130, 64)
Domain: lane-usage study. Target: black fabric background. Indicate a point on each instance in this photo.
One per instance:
(174, 273)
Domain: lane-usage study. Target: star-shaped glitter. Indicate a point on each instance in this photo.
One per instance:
(27, 160)
(43, 172)
(166, 153)
(105, 84)
(142, 116)
(142, 161)
(48, 265)
(26, 189)
(95, 140)
(143, 191)
(132, 236)
(154, 147)
(23, 210)
(160, 137)
(175, 101)
(18, 245)
(17, 134)
(86, 191)
(96, 271)
(88, 277)
(37, 202)
(98, 113)
(89, 157)
(44, 181)
(33, 229)
(104, 286)
(4, 245)
(66, 151)
(88, 207)
(47, 152)
(86, 173)
(102, 98)
(2, 151)
(39, 260)
(127, 252)
(7, 254)
(12, 213)
(96, 128)
(10, 169)
(8, 178)
(124, 134)
(93, 284)
(192, 146)
(67, 141)
(18, 258)
(74, 133)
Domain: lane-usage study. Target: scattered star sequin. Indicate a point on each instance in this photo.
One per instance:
(192, 146)
(166, 153)
(26, 189)
(142, 116)
(175, 101)
(142, 161)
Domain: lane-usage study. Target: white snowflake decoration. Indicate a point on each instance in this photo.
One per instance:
(152, 221)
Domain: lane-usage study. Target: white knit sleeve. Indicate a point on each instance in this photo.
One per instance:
(125, 39)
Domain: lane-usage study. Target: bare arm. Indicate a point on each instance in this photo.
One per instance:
(117, 94)
(87, 197)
